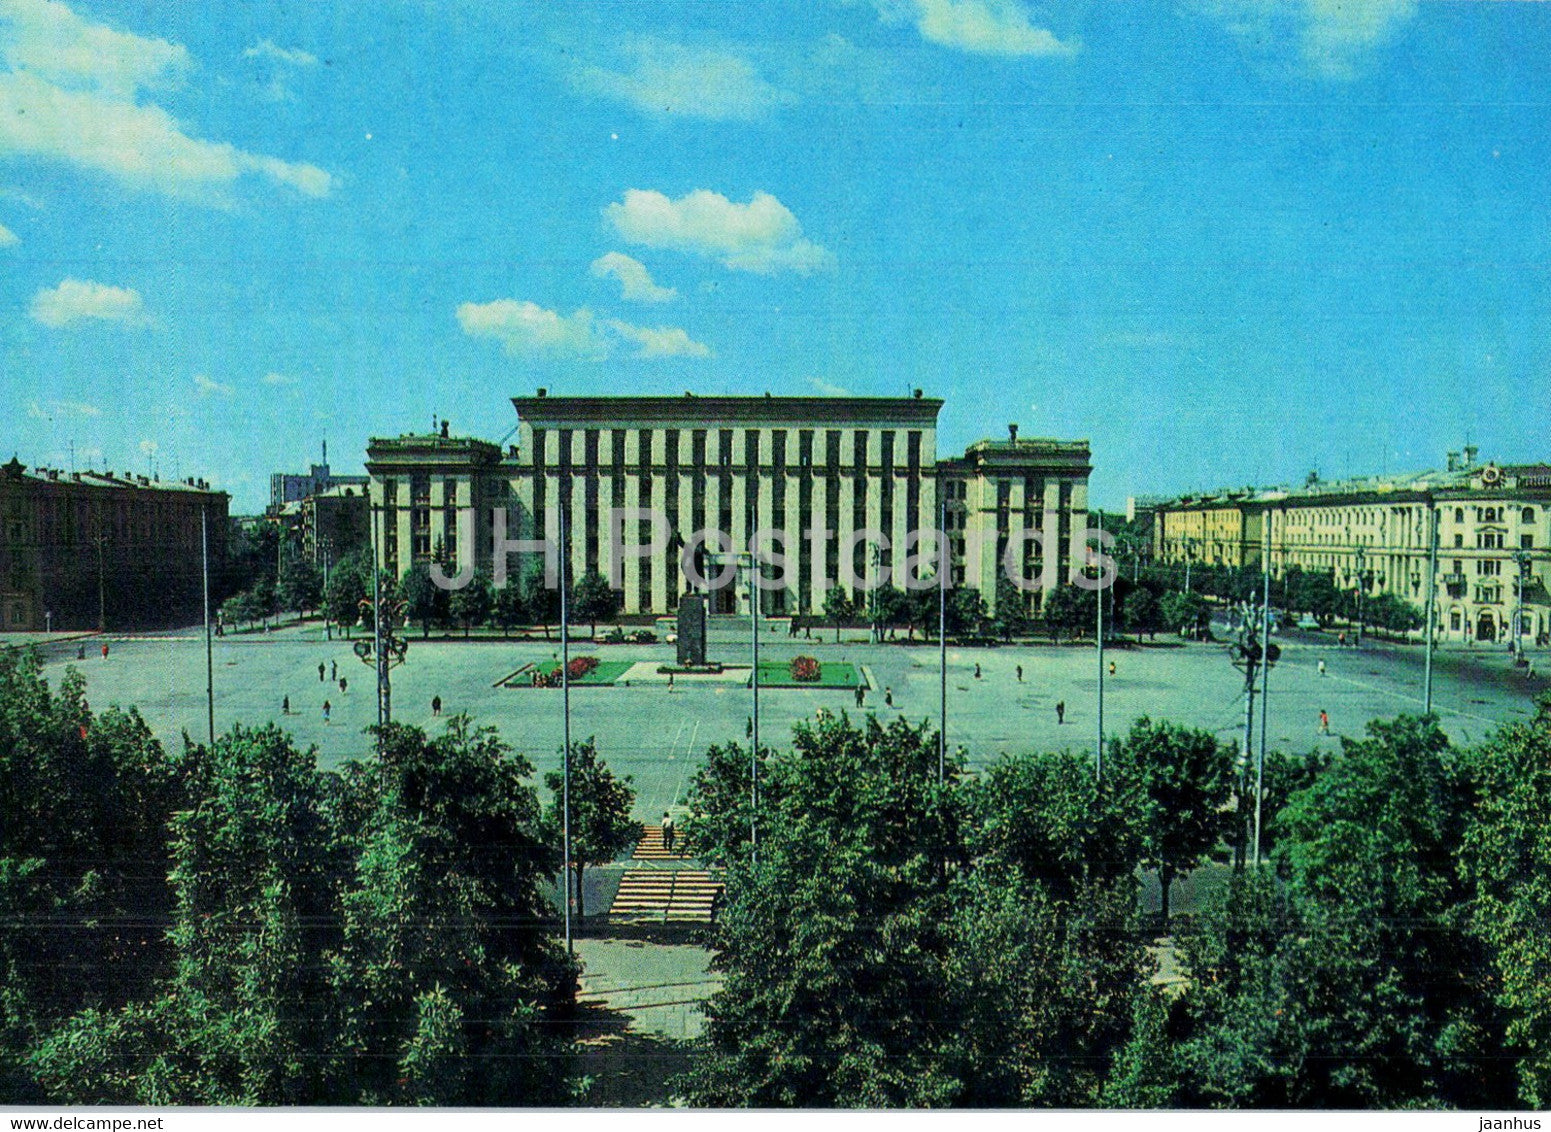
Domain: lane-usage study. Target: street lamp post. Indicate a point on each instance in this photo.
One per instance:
(1190, 554)
(1362, 587)
(1432, 605)
(565, 703)
(1521, 558)
(944, 565)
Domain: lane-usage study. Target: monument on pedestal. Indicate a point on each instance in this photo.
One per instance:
(692, 624)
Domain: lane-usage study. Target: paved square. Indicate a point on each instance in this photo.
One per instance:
(658, 735)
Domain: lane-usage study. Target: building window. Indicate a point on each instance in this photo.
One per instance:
(1527, 515)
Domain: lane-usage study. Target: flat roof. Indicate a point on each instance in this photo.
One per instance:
(693, 408)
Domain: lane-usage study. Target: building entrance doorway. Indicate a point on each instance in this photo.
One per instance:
(1486, 628)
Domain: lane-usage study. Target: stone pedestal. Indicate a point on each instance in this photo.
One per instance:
(691, 631)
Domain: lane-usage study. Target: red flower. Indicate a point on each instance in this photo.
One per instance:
(805, 669)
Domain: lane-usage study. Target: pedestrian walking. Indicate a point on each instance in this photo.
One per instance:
(321, 670)
(748, 727)
(1324, 722)
(80, 652)
(333, 670)
(327, 710)
(669, 834)
(344, 683)
(436, 705)
(1060, 712)
(104, 650)
(1341, 639)
(1322, 667)
(977, 672)
(285, 705)
(1020, 673)
(861, 696)
(888, 697)
(1112, 668)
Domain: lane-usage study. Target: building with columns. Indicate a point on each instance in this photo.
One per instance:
(847, 481)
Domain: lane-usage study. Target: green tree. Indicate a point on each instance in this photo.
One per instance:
(471, 605)
(451, 984)
(1140, 612)
(1188, 614)
(1184, 778)
(83, 860)
(601, 825)
(966, 611)
(1069, 609)
(424, 601)
(1506, 860)
(509, 606)
(594, 600)
(838, 609)
(1011, 618)
(345, 591)
(301, 585)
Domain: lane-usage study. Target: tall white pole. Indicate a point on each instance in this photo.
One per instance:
(754, 684)
(944, 567)
(1265, 681)
(565, 700)
(1098, 594)
(204, 548)
(1432, 605)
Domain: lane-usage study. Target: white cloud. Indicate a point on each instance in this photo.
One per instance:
(1333, 38)
(762, 236)
(8, 238)
(279, 379)
(634, 279)
(269, 49)
(527, 329)
(76, 300)
(985, 27)
(696, 82)
(71, 93)
(53, 409)
(660, 342)
(45, 38)
(208, 385)
(828, 388)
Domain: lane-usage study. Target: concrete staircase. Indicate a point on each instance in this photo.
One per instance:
(652, 848)
(679, 896)
(660, 891)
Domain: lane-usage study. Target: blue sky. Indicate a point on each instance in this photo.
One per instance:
(1228, 241)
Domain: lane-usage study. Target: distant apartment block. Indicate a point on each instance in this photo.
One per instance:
(88, 550)
(293, 487)
(1493, 526)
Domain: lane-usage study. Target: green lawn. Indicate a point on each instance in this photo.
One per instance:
(832, 674)
(607, 672)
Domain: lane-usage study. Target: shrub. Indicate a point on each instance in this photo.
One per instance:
(805, 669)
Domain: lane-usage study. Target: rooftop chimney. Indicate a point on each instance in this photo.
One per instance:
(1012, 432)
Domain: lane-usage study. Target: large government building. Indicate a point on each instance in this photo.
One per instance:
(90, 550)
(852, 468)
(1493, 525)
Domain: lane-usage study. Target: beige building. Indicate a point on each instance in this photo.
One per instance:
(1214, 530)
(431, 500)
(845, 480)
(1493, 529)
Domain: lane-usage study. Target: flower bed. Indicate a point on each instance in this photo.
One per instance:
(580, 666)
(806, 670)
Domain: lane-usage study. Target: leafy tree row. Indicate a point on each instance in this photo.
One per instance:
(895, 940)
(231, 925)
